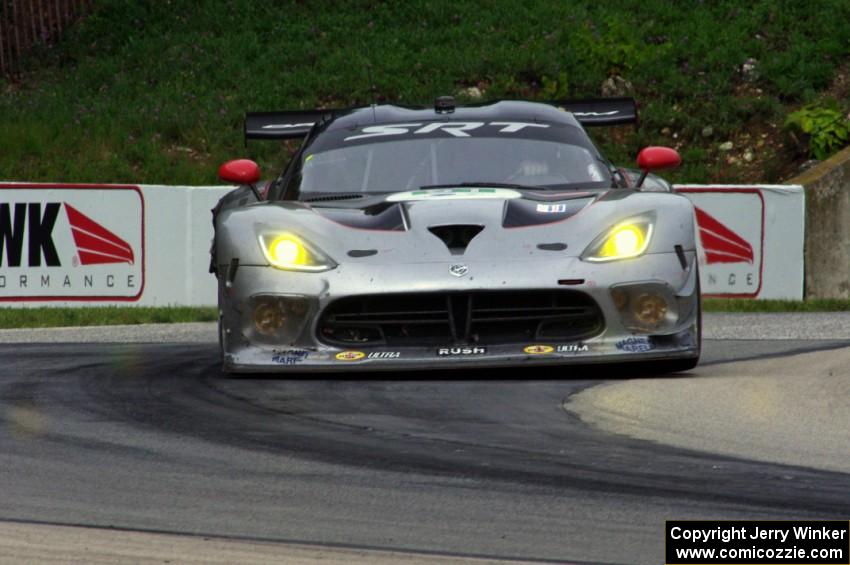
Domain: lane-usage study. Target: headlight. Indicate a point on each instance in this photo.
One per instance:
(292, 253)
(625, 240)
(646, 307)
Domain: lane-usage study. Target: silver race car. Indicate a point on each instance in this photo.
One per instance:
(454, 236)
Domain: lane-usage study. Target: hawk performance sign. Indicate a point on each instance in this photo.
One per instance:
(749, 239)
(81, 243)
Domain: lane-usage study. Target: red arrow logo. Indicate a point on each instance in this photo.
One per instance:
(720, 243)
(96, 245)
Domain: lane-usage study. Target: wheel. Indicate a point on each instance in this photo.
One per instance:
(674, 365)
(220, 341)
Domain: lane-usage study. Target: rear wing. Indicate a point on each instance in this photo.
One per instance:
(283, 125)
(601, 111)
(298, 123)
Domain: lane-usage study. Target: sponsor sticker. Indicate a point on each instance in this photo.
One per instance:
(573, 348)
(450, 129)
(350, 355)
(454, 194)
(452, 351)
(384, 355)
(635, 344)
(551, 208)
(538, 349)
(74, 243)
(290, 356)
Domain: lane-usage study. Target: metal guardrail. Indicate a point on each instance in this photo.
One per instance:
(25, 24)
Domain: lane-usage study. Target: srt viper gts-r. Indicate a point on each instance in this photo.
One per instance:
(454, 236)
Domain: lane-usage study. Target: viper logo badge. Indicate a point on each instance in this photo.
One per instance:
(459, 270)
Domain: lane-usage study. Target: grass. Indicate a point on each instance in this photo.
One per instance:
(155, 92)
(745, 305)
(105, 316)
(114, 315)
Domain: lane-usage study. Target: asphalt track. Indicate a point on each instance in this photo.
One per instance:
(150, 439)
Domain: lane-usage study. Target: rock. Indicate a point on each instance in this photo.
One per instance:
(616, 86)
(473, 93)
(707, 131)
(726, 146)
(808, 164)
(748, 156)
(665, 131)
(750, 69)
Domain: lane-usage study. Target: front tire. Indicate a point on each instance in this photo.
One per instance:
(675, 365)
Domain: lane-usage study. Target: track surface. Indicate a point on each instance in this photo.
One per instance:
(152, 437)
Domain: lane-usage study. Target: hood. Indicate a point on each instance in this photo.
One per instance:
(483, 207)
(477, 226)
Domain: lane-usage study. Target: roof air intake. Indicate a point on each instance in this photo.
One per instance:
(456, 237)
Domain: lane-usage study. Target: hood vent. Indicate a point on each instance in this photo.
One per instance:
(456, 237)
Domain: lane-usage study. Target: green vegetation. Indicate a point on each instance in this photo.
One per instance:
(113, 315)
(145, 91)
(105, 316)
(744, 305)
(824, 124)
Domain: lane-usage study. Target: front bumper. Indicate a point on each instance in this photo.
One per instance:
(245, 351)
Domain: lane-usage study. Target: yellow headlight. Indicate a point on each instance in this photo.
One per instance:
(287, 251)
(625, 240)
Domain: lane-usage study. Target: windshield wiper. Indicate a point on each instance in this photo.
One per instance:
(483, 185)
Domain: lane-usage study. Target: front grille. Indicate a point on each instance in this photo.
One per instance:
(450, 318)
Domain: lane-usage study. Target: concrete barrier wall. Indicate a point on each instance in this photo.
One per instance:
(827, 245)
(85, 245)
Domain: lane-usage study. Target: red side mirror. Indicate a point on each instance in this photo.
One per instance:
(658, 158)
(240, 171)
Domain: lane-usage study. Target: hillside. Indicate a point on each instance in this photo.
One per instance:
(154, 92)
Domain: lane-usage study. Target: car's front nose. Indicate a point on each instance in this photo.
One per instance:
(387, 315)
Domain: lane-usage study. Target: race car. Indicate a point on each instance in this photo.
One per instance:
(454, 236)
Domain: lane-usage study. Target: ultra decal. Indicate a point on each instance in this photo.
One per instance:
(573, 348)
(71, 243)
(384, 355)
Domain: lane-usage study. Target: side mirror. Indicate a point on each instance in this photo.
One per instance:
(240, 171)
(656, 159)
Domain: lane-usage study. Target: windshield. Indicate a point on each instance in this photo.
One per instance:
(393, 163)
